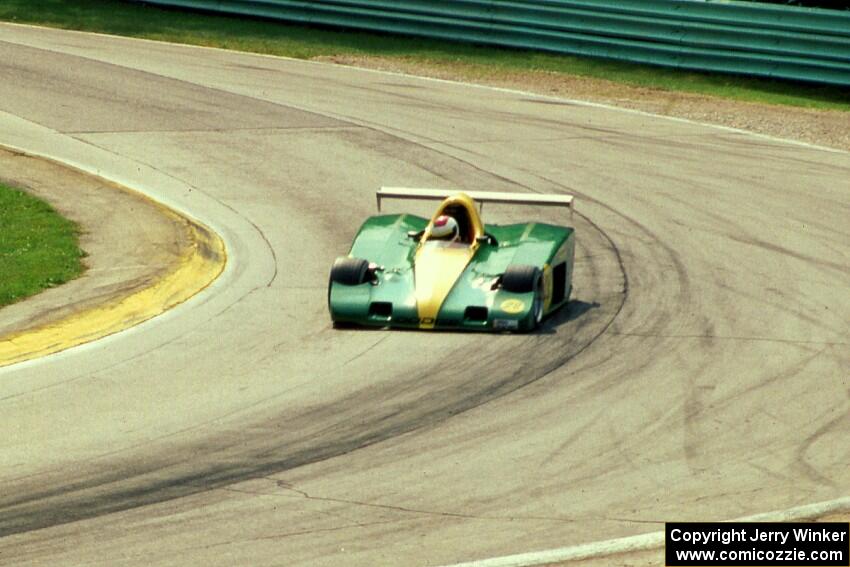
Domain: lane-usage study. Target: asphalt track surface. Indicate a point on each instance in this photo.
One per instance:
(700, 373)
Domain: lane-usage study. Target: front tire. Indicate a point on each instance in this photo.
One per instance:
(350, 271)
(521, 278)
(538, 305)
(524, 278)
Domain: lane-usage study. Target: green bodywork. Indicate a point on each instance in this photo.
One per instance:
(386, 240)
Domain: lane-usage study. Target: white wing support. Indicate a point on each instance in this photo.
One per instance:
(479, 197)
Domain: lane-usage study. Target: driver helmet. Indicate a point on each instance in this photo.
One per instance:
(445, 228)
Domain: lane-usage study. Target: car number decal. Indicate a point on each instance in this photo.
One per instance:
(512, 306)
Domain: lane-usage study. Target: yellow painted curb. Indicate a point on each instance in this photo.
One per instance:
(198, 266)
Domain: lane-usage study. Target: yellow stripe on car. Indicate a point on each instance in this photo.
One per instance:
(438, 266)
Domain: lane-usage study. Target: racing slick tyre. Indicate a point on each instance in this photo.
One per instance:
(350, 271)
(521, 278)
(526, 279)
(537, 308)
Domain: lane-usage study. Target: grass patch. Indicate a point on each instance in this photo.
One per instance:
(245, 34)
(38, 247)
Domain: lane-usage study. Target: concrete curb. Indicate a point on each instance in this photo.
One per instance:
(199, 264)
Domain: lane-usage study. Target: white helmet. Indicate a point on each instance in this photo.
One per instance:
(445, 228)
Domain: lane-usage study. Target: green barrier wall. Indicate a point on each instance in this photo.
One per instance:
(734, 37)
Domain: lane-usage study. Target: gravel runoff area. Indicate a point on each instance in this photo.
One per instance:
(829, 128)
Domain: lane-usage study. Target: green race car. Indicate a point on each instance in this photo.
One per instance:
(452, 272)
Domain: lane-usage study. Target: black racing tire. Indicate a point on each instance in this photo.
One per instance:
(537, 306)
(521, 278)
(350, 271)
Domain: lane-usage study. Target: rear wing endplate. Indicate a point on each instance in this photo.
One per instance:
(479, 197)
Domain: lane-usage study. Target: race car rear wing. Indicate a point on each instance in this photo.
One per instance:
(479, 197)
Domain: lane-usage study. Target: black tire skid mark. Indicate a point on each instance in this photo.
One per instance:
(137, 484)
(238, 457)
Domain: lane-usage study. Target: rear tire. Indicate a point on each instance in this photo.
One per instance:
(349, 271)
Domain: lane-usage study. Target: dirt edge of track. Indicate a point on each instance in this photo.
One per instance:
(830, 128)
(132, 245)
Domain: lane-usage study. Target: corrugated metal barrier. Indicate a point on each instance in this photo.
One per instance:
(734, 37)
